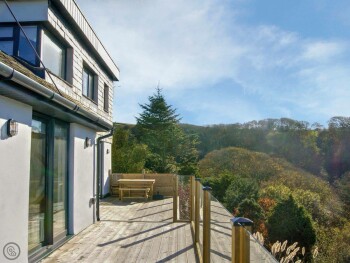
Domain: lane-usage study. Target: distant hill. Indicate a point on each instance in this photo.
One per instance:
(262, 168)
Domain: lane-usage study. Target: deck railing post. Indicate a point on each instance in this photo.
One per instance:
(192, 184)
(196, 207)
(241, 239)
(206, 224)
(175, 197)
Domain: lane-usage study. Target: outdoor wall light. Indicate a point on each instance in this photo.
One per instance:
(88, 142)
(12, 127)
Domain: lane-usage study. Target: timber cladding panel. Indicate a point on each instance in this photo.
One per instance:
(163, 184)
(80, 58)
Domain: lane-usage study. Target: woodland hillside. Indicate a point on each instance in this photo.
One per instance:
(291, 178)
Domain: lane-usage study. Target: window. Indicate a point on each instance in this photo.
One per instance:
(48, 187)
(14, 43)
(6, 40)
(106, 98)
(89, 79)
(53, 55)
(25, 50)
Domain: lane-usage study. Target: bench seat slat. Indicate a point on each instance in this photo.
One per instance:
(140, 189)
(145, 190)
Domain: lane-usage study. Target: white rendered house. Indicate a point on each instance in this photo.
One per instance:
(50, 120)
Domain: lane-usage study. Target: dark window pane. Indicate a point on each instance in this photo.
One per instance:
(53, 55)
(88, 84)
(6, 47)
(106, 98)
(6, 31)
(25, 50)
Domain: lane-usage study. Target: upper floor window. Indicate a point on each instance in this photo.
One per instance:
(14, 43)
(25, 50)
(89, 83)
(6, 40)
(106, 98)
(53, 55)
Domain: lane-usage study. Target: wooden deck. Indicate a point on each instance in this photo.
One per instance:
(130, 232)
(137, 231)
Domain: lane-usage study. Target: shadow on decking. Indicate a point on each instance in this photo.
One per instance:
(139, 233)
(155, 206)
(153, 236)
(136, 210)
(173, 256)
(131, 231)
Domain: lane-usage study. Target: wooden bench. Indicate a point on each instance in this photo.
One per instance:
(143, 185)
(145, 190)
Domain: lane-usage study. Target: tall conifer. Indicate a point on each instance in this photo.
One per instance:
(158, 128)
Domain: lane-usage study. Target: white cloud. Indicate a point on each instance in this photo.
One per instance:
(323, 50)
(176, 42)
(189, 45)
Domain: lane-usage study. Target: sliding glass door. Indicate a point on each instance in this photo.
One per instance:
(48, 182)
(60, 180)
(37, 186)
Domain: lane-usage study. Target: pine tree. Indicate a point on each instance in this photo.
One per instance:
(158, 127)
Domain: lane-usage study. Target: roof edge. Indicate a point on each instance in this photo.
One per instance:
(10, 73)
(76, 17)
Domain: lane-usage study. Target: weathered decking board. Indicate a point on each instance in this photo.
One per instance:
(138, 231)
(137, 210)
(130, 231)
(221, 238)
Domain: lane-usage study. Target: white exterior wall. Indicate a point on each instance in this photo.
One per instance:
(15, 151)
(82, 173)
(14, 176)
(106, 166)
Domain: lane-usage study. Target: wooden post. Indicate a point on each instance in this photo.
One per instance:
(206, 224)
(192, 198)
(241, 239)
(175, 198)
(196, 207)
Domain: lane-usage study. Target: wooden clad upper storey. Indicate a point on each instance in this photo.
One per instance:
(69, 48)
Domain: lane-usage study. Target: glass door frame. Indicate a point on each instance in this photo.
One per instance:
(49, 238)
(63, 234)
(44, 242)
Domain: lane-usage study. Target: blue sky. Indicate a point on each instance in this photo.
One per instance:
(221, 61)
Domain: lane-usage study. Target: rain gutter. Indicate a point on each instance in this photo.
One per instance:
(9, 73)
